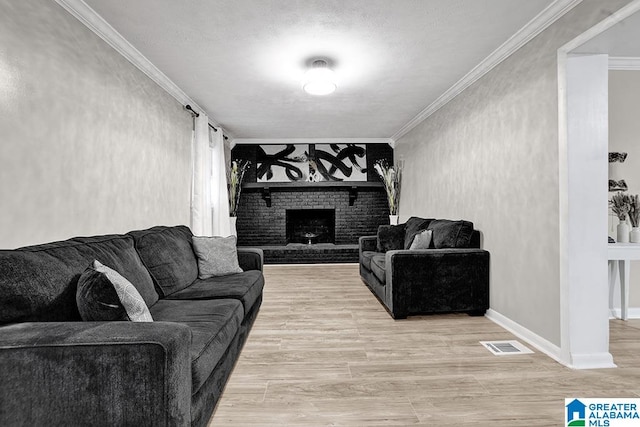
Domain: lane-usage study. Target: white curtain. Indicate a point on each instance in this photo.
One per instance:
(201, 223)
(221, 224)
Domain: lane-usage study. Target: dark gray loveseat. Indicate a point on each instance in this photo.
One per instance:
(452, 275)
(58, 370)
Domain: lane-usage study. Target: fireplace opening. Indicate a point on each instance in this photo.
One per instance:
(311, 226)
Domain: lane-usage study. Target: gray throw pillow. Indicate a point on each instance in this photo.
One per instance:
(103, 294)
(414, 225)
(421, 240)
(217, 256)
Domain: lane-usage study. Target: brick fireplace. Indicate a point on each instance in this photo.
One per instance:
(261, 225)
(277, 216)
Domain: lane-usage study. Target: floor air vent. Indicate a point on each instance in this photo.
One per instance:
(505, 348)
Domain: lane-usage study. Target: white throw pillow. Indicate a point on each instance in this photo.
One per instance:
(129, 296)
(217, 256)
(422, 240)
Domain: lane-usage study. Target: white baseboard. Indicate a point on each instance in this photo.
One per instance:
(543, 345)
(578, 361)
(592, 361)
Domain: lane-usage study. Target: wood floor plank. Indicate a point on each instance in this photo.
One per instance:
(441, 386)
(306, 413)
(460, 365)
(308, 371)
(489, 411)
(324, 352)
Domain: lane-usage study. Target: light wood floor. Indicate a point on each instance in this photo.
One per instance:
(323, 352)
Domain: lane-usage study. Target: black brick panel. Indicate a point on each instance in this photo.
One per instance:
(259, 225)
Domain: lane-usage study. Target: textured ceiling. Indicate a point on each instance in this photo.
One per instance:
(243, 60)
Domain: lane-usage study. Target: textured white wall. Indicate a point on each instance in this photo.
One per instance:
(89, 145)
(491, 156)
(624, 136)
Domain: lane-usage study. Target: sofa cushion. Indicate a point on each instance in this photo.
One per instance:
(378, 268)
(167, 253)
(365, 258)
(104, 295)
(213, 324)
(390, 237)
(246, 287)
(38, 283)
(217, 256)
(451, 234)
(422, 240)
(413, 226)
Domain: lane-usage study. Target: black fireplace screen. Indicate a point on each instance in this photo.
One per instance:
(311, 226)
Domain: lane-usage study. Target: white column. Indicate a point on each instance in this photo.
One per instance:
(583, 214)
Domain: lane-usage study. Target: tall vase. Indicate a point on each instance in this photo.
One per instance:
(623, 232)
(233, 220)
(634, 235)
(393, 219)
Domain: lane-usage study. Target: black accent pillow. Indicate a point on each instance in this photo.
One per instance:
(97, 298)
(451, 234)
(103, 294)
(390, 237)
(414, 225)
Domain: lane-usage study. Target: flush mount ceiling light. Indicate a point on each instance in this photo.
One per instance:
(319, 79)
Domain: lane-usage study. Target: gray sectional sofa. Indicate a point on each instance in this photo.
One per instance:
(450, 275)
(57, 370)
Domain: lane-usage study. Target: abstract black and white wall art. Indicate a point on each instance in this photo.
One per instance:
(340, 162)
(615, 183)
(312, 162)
(282, 163)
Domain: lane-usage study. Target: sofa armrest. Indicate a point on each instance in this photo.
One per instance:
(435, 280)
(367, 243)
(251, 258)
(95, 373)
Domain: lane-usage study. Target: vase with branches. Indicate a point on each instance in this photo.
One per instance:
(391, 177)
(620, 204)
(236, 175)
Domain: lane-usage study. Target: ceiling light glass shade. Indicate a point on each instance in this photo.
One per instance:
(319, 80)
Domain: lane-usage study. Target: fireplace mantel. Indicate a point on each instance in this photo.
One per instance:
(305, 184)
(351, 186)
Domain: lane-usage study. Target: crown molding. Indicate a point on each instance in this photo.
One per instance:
(90, 18)
(539, 23)
(623, 63)
(281, 141)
